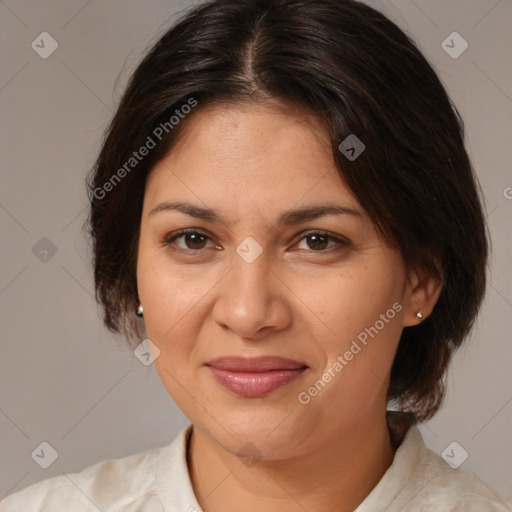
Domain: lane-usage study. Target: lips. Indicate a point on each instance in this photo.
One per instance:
(254, 364)
(254, 376)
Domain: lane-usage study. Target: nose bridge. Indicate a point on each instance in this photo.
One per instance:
(250, 269)
(250, 298)
(250, 288)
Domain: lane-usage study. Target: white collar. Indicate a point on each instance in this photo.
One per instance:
(417, 480)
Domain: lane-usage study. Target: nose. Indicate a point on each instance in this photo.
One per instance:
(252, 300)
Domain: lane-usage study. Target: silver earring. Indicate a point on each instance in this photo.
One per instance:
(140, 310)
(419, 315)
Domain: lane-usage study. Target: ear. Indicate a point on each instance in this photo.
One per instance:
(422, 292)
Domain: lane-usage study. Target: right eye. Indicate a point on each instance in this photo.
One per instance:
(191, 240)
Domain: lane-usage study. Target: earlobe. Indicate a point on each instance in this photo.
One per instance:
(424, 293)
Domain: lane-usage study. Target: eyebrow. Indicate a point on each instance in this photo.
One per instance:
(287, 218)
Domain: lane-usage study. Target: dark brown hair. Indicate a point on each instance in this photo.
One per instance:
(359, 74)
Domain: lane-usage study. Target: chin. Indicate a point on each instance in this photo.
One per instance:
(262, 431)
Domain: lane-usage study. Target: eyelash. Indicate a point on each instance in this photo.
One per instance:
(168, 241)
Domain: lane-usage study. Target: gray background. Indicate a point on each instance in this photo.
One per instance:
(63, 378)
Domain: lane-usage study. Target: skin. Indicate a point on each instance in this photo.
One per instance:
(299, 299)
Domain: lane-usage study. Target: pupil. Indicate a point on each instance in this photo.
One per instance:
(194, 239)
(319, 241)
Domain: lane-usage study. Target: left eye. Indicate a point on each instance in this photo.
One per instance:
(319, 241)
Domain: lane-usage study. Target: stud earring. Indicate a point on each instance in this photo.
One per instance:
(419, 315)
(140, 310)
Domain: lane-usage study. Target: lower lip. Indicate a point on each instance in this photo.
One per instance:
(254, 385)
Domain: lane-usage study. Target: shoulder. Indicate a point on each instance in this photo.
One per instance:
(112, 483)
(435, 485)
(459, 489)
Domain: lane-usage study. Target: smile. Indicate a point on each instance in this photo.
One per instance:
(255, 377)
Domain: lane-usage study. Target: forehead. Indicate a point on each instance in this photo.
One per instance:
(250, 152)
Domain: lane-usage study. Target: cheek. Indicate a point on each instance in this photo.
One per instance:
(177, 301)
(161, 294)
(351, 301)
(169, 300)
(362, 314)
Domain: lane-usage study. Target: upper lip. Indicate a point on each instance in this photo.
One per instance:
(254, 364)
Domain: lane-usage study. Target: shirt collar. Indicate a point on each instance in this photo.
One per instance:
(409, 447)
(173, 481)
(176, 491)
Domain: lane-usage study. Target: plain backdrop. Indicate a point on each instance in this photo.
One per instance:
(64, 379)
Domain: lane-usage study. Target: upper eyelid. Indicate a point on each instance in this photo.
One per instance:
(182, 232)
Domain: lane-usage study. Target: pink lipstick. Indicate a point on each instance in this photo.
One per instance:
(254, 376)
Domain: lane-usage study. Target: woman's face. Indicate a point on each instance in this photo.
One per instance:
(253, 279)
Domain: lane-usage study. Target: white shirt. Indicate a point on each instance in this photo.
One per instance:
(157, 480)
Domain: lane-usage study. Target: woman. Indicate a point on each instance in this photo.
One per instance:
(284, 200)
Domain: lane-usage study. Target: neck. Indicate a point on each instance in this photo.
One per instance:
(338, 475)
